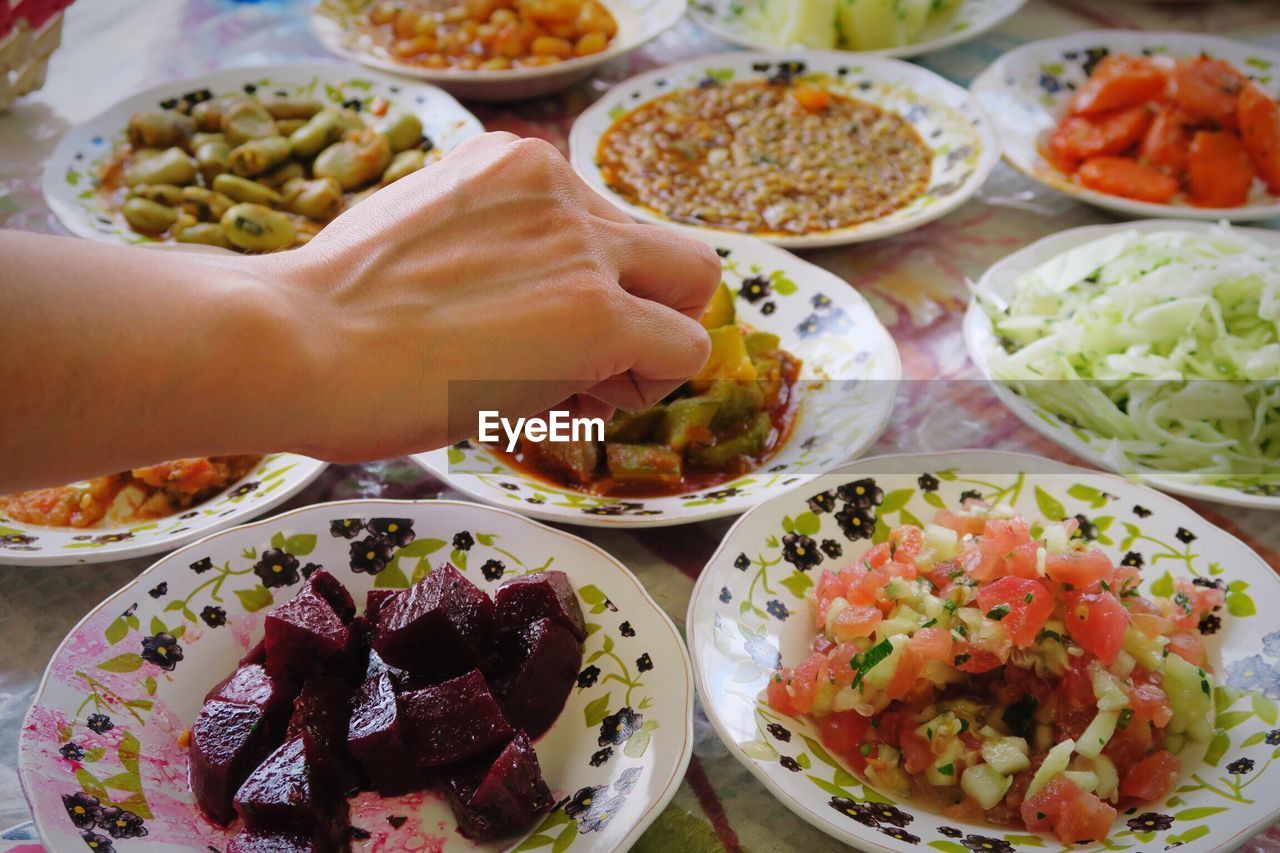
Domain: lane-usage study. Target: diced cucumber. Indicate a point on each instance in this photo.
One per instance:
(985, 784)
(1087, 780)
(1007, 755)
(1175, 743)
(944, 726)
(1055, 762)
(1190, 696)
(1123, 665)
(879, 676)
(1201, 730)
(847, 699)
(898, 589)
(1147, 651)
(1057, 540)
(1097, 734)
(720, 310)
(1105, 771)
(943, 541)
(944, 771)
(1107, 689)
(824, 697)
(687, 420)
(834, 609)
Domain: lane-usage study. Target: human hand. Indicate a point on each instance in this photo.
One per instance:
(494, 279)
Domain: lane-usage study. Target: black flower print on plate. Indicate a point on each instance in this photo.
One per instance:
(779, 731)
(83, 809)
(1240, 766)
(900, 834)
(346, 528)
(725, 595)
(99, 723)
(983, 844)
(800, 551)
(832, 548)
(213, 616)
(829, 323)
(856, 523)
(17, 541)
(755, 289)
(618, 728)
(790, 763)
(593, 808)
(1185, 536)
(863, 494)
(463, 541)
(159, 590)
(601, 756)
(644, 663)
(162, 649)
(927, 482)
(277, 568)
(492, 570)
(626, 630)
(822, 503)
(71, 751)
(742, 562)
(777, 609)
(588, 676)
(370, 555)
(244, 489)
(1273, 738)
(1150, 822)
(393, 531)
(97, 842)
(121, 824)
(202, 565)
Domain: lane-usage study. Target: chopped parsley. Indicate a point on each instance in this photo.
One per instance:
(930, 623)
(868, 660)
(1125, 716)
(998, 612)
(1029, 597)
(961, 658)
(948, 769)
(950, 606)
(865, 749)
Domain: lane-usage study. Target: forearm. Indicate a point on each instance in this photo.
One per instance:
(113, 357)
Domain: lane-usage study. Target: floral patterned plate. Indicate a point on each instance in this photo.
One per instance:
(963, 139)
(847, 384)
(749, 611)
(727, 19)
(639, 21)
(70, 176)
(1026, 91)
(996, 287)
(100, 758)
(276, 478)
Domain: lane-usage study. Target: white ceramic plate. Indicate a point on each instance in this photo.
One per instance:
(1026, 91)
(850, 373)
(996, 285)
(748, 611)
(948, 119)
(107, 719)
(639, 21)
(71, 173)
(974, 17)
(278, 477)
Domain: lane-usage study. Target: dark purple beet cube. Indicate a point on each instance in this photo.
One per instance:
(373, 603)
(257, 654)
(497, 797)
(248, 841)
(251, 684)
(533, 696)
(453, 721)
(228, 740)
(375, 738)
(331, 589)
(305, 635)
(291, 792)
(323, 711)
(522, 601)
(437, 628)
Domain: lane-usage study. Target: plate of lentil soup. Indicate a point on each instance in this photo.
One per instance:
(491, 49)
(249, 159)
(816, 150)
(1153, 753)
(801, 377)
(1147, 124)
(146, 510)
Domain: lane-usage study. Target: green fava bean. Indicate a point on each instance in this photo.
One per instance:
(204, 233)
(403, 131)
(171, 166)
(292, 108)
(282, 174)
(258, 155)
(355, 161)
(162, 129)
(208, 114)
(245, 190)
(166, 194)
(286, 126)
(206, 205)
(404, 163)
(148, 217)
(320, 199)
(322, 130)
(255, 228)
(213, 158)
(247, 120)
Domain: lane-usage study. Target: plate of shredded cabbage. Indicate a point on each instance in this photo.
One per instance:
(899, 28)
(1151, 348)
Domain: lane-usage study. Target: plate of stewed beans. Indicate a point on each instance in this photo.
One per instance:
(247, 159)
(491, 49)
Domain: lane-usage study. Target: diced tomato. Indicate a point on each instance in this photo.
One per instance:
(877, 556)
(1118, 81)
(1022, 561)
(905, 674)
(1192, 601)
(864, 588)
(1130, 744)
(1259, 117)
(917, 753)
(1080, 568)
(941, 574)
(778, 697)
(1126, 581)
(898, 569)
(1075, 686)
(1079, 138)
(1151, 624)
(1165, 146)
(970, 658)
(1096, 621)
(963, 525)
(804, 683)
(1027, 605)
(828, 588)
(979, 562)
(905, 542)
(1219, 170)
(1127, 178)
(890, 727)
(1188, 646)
(840, 664)
(856, 620)
(1207, 90)
(1073, 814)
(1002, 536)
(932, 644)
(843, 731)
(1149, 702)
(1152, 778)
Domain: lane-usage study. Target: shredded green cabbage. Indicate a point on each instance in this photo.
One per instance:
(1177, 335)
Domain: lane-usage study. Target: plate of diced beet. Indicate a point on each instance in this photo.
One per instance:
(1144, 123)
(365, 675)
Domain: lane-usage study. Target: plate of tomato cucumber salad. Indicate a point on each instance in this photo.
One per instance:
(992, 651)
(1147, 124)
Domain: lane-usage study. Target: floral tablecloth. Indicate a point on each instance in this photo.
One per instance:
(918, 283)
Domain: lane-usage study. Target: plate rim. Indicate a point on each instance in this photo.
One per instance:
(794, 806)
(26, 746)
(582, 155)
(71, 219)
(988, 82)
(976, 323)
(132, 549)
(917, 49)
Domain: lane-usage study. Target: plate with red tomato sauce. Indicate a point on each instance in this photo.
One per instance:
(1143, 123)
(991, 651)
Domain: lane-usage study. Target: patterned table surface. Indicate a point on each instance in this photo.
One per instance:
(918, 283)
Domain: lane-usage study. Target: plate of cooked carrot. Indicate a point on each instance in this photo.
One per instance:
(1147, 124)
